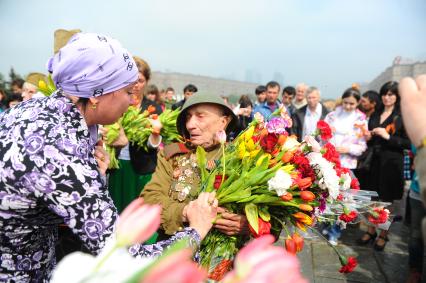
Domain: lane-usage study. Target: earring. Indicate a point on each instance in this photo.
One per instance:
(94, 105)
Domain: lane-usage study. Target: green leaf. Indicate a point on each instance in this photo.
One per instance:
(252, 216)
(264, 213)
(202, 160)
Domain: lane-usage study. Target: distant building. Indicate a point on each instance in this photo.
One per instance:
(401, 67)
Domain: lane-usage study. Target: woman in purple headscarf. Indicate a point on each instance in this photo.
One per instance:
(51, 170)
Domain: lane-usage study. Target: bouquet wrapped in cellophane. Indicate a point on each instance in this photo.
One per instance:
(277, 182)
(138, 127)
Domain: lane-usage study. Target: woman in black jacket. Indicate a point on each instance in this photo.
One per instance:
(387, 139)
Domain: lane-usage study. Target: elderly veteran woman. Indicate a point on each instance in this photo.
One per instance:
(176, 179)
(51, 170)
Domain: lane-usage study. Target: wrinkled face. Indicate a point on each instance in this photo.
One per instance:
(203, 121)
(366, 104)
(389, 99)
(28, 90)
(287, 98)
(272, 94)
(170, 94)
(112, 106)
(349, 104)
(300, 93)
(139, 86)
(261, 97)
(313, 99)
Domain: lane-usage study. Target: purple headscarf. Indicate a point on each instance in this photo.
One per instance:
(91, 65)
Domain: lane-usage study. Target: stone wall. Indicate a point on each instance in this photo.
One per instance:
(397, 72)
(204, 84)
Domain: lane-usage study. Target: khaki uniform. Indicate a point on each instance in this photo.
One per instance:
(175, 182)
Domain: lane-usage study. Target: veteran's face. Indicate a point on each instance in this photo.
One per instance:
(203, 121)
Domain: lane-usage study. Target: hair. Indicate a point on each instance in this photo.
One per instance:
(245, 101)
(260, 89)
(272, 84)
(392, 87)
(289, 90)
(143, 67)
(152, 89)
(301, 85)
(311, 89)
(14, 97)
(18, 82)
(352, 92)
(190, 87)
(170, 89)
(373, 96)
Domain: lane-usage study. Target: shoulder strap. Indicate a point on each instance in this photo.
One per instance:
(175, 148)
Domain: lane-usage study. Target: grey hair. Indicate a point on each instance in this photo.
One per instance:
(312, 89)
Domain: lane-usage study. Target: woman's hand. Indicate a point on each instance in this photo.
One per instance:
(342, 149)
(120, 142)
(381, 132)
(230, 223)
(102, 158)
(201, 213)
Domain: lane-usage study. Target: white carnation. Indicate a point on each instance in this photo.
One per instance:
(328, 179)
(346, 181)
(280, 183)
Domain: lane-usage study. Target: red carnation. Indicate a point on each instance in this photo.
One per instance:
(324, 130)
(379, 215)
(355, 184)
(264, 228)
(348, 217)
(302, 164)
(348, 265)
(330, 153)
(268, 142)
(340, 170)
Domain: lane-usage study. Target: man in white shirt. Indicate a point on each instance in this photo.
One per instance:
(305, 119)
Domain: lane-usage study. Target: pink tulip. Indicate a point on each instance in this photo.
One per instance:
(137, 223)
(221, 136)
(262, 262)
(176, 268)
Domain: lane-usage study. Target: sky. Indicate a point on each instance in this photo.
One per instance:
(326, 43)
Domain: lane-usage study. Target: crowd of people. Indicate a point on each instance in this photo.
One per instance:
(54, 169)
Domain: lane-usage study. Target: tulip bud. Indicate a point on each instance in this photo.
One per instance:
(281, 140)
(290, 245)
(221, 136)
(287, 197)
(307, 196)
(303, 218)
(299, 241)
(305, 207)
(304, 183)
(288, 155)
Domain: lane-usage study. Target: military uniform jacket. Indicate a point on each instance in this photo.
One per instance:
(175, 182)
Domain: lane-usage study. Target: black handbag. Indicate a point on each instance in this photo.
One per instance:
(365, 159)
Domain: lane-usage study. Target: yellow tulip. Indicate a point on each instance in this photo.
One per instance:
(260, 160)
(248, 134)
(241, 150)
(42, 85)
(250, 145)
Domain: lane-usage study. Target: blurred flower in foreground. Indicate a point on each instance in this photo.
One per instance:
(261, 262)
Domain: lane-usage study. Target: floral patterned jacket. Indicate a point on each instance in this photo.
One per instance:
(48, 176)
(348, 131)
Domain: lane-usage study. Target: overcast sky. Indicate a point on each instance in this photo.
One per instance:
(329, 43)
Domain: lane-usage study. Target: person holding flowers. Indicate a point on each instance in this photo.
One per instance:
(176, 180)
(52, 167)
(348, 125)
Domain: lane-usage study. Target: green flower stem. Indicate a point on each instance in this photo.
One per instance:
(224, 164)
(342, 259)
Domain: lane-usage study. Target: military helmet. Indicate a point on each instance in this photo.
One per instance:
(202, 98)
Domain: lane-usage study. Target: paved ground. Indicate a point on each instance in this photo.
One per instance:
(320, 263)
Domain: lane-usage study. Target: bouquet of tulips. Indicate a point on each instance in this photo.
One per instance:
(274, 180)
(138, 127)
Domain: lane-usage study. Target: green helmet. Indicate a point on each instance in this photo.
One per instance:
(201, 98)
